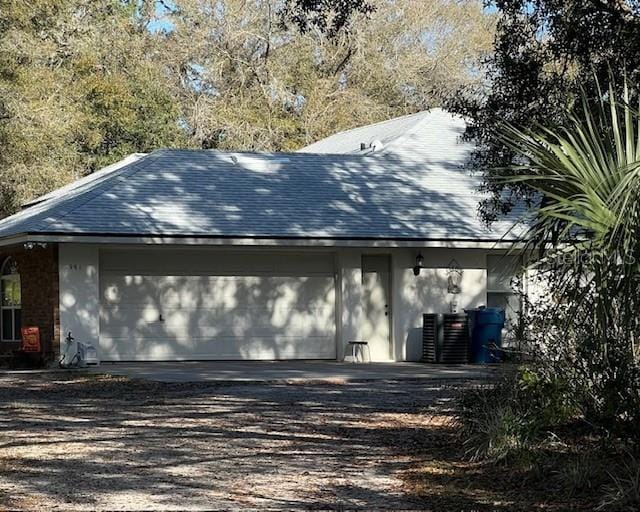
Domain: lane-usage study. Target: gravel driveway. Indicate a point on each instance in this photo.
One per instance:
(97, 443)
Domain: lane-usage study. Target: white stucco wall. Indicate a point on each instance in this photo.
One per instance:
(427, 293)
(79, 294)
(411, 296)
(351, 306)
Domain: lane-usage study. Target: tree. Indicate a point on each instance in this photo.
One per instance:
(545, 51)
(585, 242)
(85, 82)
(246, 81)
(79, 89)
(329, 16)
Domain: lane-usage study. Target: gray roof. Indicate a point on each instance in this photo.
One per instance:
(384, 195)
(86, 180)
(425, 136)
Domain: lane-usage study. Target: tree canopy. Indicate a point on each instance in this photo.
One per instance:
(85, 82)
(78, 90)
(546, 52)
(246, 78)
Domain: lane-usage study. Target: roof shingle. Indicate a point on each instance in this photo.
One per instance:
(395, 195)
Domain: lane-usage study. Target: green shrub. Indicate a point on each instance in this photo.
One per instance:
(497, 433)
(506, 419)
(547, 397)
(623, 493)
(579, 473)
(583, 248)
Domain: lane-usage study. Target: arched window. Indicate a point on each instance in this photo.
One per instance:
(11, 296)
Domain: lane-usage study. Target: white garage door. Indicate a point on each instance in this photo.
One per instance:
(169, 305)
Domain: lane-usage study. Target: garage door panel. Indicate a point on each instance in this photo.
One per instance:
(204, 262)
(216, 291)
(180, 323)
(233, 293)
(217, 316)
(230, 348)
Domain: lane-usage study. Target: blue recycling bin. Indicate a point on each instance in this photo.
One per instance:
(486, 335)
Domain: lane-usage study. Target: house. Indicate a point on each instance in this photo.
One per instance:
(182, 255)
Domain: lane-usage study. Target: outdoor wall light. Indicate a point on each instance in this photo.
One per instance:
(419, 264)
(32, 245)
(454, 277)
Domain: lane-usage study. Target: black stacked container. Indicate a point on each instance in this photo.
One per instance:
(445, 338)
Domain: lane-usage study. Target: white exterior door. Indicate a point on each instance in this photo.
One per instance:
(377, 307)
(172, 305)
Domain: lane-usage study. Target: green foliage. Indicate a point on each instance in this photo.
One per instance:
(532, 426)
(545, 52)
(498, 432)
(581, 323)
(579, 473)
(79, 90)
(623, 493)
(548, 396)
(585, 246)
(595, 372)
(505, 421)
(588, 174)
(85, 82)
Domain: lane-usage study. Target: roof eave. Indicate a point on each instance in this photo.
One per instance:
(266, 241)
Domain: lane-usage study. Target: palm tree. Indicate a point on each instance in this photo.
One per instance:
(585, 232)
(586, 175)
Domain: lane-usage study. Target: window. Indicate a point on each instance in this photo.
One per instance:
(502, 273)
(11, 297)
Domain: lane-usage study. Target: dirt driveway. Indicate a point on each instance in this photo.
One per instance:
(92, 443)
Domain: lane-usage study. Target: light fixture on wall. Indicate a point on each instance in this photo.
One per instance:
(33, 245)
(454, 277)
(419, 264)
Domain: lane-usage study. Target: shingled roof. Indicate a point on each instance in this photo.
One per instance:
(429, 135)
(394, 193)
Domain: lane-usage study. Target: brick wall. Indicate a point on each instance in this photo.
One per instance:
(38, 270)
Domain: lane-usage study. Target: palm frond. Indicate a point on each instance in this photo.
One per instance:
(587, 173)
